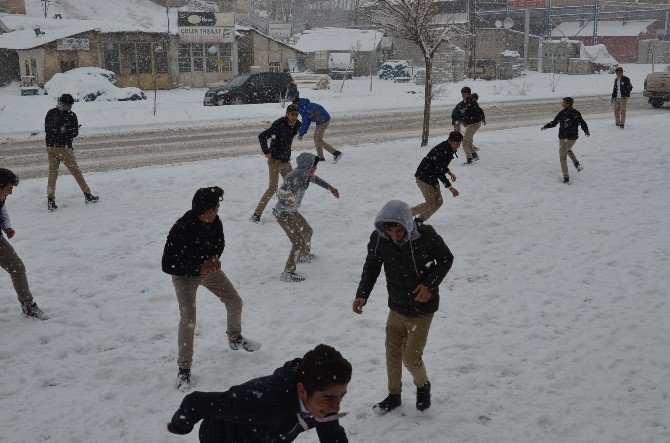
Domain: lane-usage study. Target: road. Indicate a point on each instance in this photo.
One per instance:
(124, 151)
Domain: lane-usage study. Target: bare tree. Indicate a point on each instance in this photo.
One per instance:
(420, 22)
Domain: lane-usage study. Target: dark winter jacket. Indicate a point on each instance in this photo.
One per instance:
(263, 410)
(569, 119)
(4, 218)
(61, 127)
(626, 87)
(456, 113)
(435, 165)
(472, 113)
(422, 258)
(190, 243)
(281, 133)
(311, 112)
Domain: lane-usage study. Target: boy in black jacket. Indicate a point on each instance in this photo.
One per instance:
(303, 394)
(61, 127)
(473, 117)
(191, 256)
(620, 96)
(278, 153)
(434, 167)
(569, 120)
(415, 260)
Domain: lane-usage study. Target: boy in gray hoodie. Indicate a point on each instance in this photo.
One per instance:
(297, 229)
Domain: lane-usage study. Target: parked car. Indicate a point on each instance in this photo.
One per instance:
(657, 87)
(89, 84)
(262, 87)
(391, 69)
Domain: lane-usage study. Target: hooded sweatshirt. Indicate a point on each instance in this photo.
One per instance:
(263, 410)
(569, 121)
(296, 183)
(421, 258)
(311, 112)
(61, 127)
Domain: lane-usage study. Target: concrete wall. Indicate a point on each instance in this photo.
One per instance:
(13, 7)
(653, 51)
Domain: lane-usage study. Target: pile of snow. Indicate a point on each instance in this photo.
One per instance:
(89, 84)
(598, 54)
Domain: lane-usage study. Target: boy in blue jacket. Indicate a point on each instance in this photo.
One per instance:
(309, 112)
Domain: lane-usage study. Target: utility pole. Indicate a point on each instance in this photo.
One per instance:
(45, 6)
(526, 38)
(596, 16)
(471, 36)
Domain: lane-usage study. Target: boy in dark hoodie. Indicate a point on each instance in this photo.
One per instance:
(569, 120)
(415, 260)
(314, 112)
(297, 229)
(304, 394)
(191, 256)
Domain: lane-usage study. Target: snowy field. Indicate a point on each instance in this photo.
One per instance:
(553, 324)
(181, 108)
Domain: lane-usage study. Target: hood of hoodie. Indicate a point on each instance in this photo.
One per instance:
(303, 103)
(397, 211)
(305, 161)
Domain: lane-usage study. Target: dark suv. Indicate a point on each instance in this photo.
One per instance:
(262, 87)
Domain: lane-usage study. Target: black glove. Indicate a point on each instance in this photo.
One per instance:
(175, 430)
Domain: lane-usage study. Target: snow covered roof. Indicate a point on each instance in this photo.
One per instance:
(240, 28)
(339, 39)
(21, 30)
(606, 28)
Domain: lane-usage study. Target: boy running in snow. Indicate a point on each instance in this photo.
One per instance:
(191, 257)
(415, 260)
(278, 153)
(473, 117)
(9, 260)
(305, 393)
(309, 112)
(569, 121)
(297, 229)
(434, 167)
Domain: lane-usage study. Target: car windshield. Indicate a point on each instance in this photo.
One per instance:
(237, 81)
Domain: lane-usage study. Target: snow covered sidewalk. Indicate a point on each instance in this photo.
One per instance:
(553, 324)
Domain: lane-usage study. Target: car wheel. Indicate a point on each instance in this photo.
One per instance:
(220, 102)
(656, 103)
(237, 101)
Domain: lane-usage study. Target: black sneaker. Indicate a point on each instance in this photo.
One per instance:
(256, 218)
(578, 166)
(184, 380)
(90, 198)
(621, 126)
(468, 162)
(30, 309)
(388, 404)
(337, 155)
(423, 397)
(475, 156)
(51, 204)
(618, 124)
(566, 179)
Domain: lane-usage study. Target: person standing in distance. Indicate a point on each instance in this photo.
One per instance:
(620, 95)
(61, 127)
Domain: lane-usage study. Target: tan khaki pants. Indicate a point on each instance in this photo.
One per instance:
(405, 340)
(433, 199)
(468, 136)
(620, 110)
(275, 168)
(565, 150)
(66, 155)
(11, 263)
(300, 233)
(186, 287)
(319, 142)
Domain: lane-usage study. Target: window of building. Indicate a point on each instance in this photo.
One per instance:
(66, 65)
(144, 58)
(33, 67)
(111, 56)
(198, 53)
(27, 67)
(184, 58)
(160, 58)
(273, 66)
(128, 61)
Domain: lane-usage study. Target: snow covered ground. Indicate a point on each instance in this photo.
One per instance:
(182, 108)
(553, 324)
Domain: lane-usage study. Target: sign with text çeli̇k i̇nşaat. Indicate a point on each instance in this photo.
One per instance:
(520, 4)
(206, 27)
